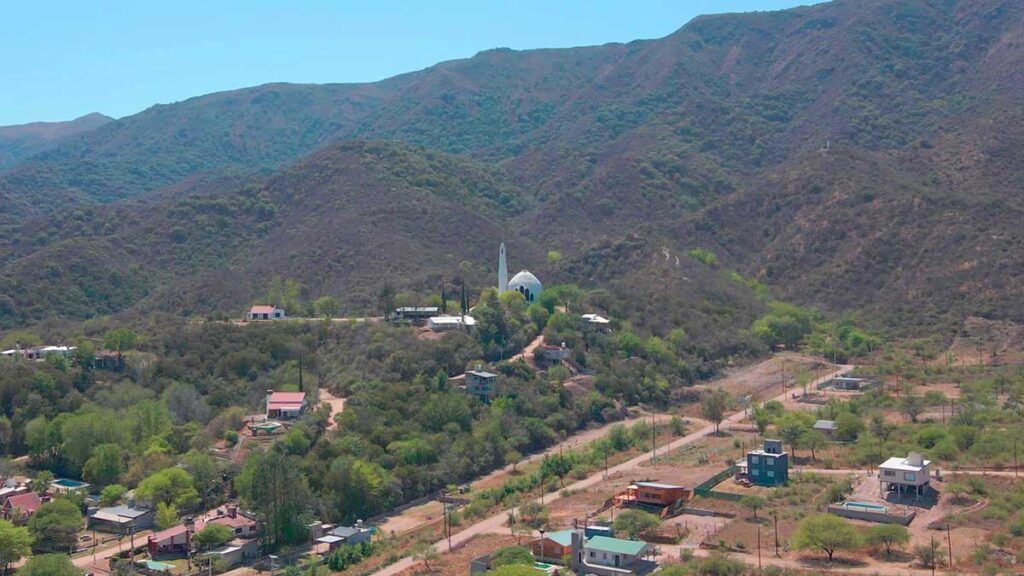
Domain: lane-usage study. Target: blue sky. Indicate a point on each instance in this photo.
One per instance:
(65, 58)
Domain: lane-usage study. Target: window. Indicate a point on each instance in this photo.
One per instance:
(769, 461)
(753, 460)
(910, 476)
(771, 473)
(889, 473)
(754, 472)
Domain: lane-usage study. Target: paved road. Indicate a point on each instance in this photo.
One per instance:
(496, 523)
(103, 553)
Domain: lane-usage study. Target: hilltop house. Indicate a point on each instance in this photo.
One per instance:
(481, 384)
(768, 466)
(548, 355)
(264, 312)
(449, 323)
(596, 323)
(413, 315)
(285, 404)
(121, 519)
(652, 494)
(901, 475)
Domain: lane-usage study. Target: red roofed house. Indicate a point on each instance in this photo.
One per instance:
(176, 540)
(261, 312)
(18, 509)
(285, 404)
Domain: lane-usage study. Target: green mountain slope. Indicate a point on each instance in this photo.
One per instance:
(25, 140)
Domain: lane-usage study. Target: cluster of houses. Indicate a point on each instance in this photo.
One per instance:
(594, 550)
(18, 502)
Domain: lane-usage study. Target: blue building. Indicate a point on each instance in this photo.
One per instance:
(768, 466)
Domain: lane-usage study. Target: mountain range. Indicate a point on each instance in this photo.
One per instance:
(859, 156)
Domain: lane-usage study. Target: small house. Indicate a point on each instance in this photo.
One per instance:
(902, 475)
(849, 383)
(229, 516)
(826, 427)
(481, 384)
(450, 323)
(652, 494)
(12, 489)
(346, 536)
(18, 509)
(768, 466)
(283, 405)
(174, 541)
(606, 556)
(264, 312)
(235, 552)
(548, 355)
(552, 546)
(121, 519)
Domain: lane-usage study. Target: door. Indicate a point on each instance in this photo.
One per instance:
(616, 560)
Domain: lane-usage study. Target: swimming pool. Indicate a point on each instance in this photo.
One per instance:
(850, 504)
(66, 483)
(159, 566)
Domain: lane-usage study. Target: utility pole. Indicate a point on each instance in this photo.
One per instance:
(759, 547)
(933, 555)
(775, 515)
(1015, 458)
(949, 540)
(654, 439)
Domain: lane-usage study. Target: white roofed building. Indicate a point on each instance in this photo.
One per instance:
(910, 474)
(526, 284)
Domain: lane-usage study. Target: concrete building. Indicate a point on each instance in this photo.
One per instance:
(905, 475)
(604, 556)
(596, 323)
(826, 427)
(481, 384)
(450, 323)
(417, 315)
(548, 355)
(121, 519)
(552, 546)
(264, 312)
(768, 466)
(285, 404)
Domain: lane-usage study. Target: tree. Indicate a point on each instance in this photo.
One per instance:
(557, 466)
(814, 440)
(533, 514)
(105, 466)
(327, 307)
(55, 526)
(514, 570)
(879, 427)
(15, 544)
(213, 535)
(272, 483)
(793, 428)
(513, 457)
(512, 555)
(911, 407)
(424, 552)
(112, 494)
(825, 532)
(386, 296)
(49, 565)
(762, 419)
(931, 554)
(169, 486)
(41, 482)
(676, 425)
(753, 503)
(887, 536)
(636, 523)
(166, 515)
(713, 406)
(119, 340)
(848, 426)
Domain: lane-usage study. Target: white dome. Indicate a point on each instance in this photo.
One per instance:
(527, 285)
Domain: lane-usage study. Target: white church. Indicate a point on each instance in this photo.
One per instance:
(524, 282)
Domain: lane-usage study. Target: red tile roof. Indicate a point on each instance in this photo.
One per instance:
(261, 310)
(286, 400)
(27, 503)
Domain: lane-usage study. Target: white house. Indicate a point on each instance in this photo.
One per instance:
(596, 322)
(910, 474)
(261, 312)
(448, 323)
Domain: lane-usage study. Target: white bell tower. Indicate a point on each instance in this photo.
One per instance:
(502, 270)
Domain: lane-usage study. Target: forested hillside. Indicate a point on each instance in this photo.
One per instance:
(26, 140)
(708, 137)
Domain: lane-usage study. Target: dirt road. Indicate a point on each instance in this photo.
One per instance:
(102, 554)
(527, 352)
(336, 404)
(496, 522)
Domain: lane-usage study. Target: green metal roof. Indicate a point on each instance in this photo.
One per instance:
(562, 537)
(616, 545)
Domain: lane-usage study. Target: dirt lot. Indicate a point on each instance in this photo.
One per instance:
(457, 563)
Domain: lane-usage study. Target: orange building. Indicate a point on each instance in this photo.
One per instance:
(652, 494)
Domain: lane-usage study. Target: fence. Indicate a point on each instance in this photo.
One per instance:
(706, 488)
